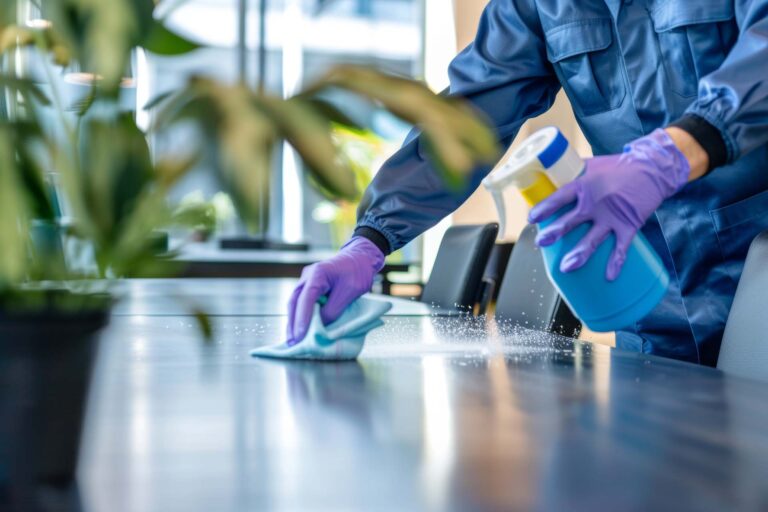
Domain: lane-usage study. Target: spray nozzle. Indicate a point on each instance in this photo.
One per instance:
(542, 163)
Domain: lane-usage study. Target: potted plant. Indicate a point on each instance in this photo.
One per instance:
(52, 308)
(55, 293)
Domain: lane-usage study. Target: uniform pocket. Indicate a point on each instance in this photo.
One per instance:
(694, 40)
(588, 65)
(739, 223)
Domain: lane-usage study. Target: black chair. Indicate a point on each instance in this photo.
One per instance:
(744, 350)
(527, 298)
(456, 279)
(494, 274)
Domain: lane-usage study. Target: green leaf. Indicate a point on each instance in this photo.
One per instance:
(24, 87)
(204, 323)
(7, 13)
(13, 36)
(14, 221)
(162, 41)
(454, 135)
(243, 126)
(239, 140)
(144, 11)
(101, 34)
(310, 135)
(133, 253)
(117, 171)
(37, 190)
(361, 149)
(245, 138)
(84, 104)
(201, 317)
(159, 100)
(197, 215)
(148, 264)
(46, 39)
(135, 246)
(331, 112)
(169, 172)
(191, 103)
(134, 168)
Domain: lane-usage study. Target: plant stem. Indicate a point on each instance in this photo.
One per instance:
(57, 101)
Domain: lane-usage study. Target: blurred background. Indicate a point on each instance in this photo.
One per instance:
(298, 41)
(280, 46)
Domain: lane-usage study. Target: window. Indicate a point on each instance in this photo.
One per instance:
(303, 38)
(298, 41)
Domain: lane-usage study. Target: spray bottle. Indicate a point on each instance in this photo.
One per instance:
(543, 163)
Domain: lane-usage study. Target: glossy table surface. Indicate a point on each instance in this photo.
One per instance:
(438, 414)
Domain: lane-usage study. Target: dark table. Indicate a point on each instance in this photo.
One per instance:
(438, 414)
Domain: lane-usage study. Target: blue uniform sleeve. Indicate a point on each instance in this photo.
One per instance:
(734, 98)
(505, 74)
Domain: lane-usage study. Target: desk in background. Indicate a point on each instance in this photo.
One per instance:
(228, 297)
(208, 260)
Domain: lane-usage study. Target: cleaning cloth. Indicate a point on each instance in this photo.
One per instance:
(340, 341)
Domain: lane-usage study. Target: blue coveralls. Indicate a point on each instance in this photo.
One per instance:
(628, 67)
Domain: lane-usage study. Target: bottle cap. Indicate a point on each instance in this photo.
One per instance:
(539, 190)
(543, 162)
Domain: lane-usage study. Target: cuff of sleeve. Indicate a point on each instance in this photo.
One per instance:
(378, 239)
(708, 136)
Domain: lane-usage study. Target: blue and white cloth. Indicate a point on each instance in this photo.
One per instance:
(342, 340)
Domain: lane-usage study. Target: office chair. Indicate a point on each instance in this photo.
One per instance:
(744, 350)
(456, 278)
(527, 297)
(494, 274)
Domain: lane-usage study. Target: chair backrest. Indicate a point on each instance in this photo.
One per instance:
(527, 297)
(744, 350)
(456, 277)
(494, 273)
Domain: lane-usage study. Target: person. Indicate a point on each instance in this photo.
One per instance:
(673, 97)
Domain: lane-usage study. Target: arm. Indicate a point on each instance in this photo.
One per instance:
(730, 116)
(505, 74)
(692, 149)
(618, 193)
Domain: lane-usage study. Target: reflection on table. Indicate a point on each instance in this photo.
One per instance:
(438, 414)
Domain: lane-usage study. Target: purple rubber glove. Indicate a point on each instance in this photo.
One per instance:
(617, 194)
(341, 279)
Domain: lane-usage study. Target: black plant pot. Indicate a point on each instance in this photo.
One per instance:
(46, 362)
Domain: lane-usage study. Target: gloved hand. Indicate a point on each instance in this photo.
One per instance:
(617, 194)
(342, 279)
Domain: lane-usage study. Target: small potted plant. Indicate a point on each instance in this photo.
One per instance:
(55, 277)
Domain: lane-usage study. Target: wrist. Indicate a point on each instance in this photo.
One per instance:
(374, 236)
(708, 139)
(694, 153)
(366, 248)
(668, 163)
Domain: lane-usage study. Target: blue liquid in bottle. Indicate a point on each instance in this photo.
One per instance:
(544, 162)
(601, 304)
